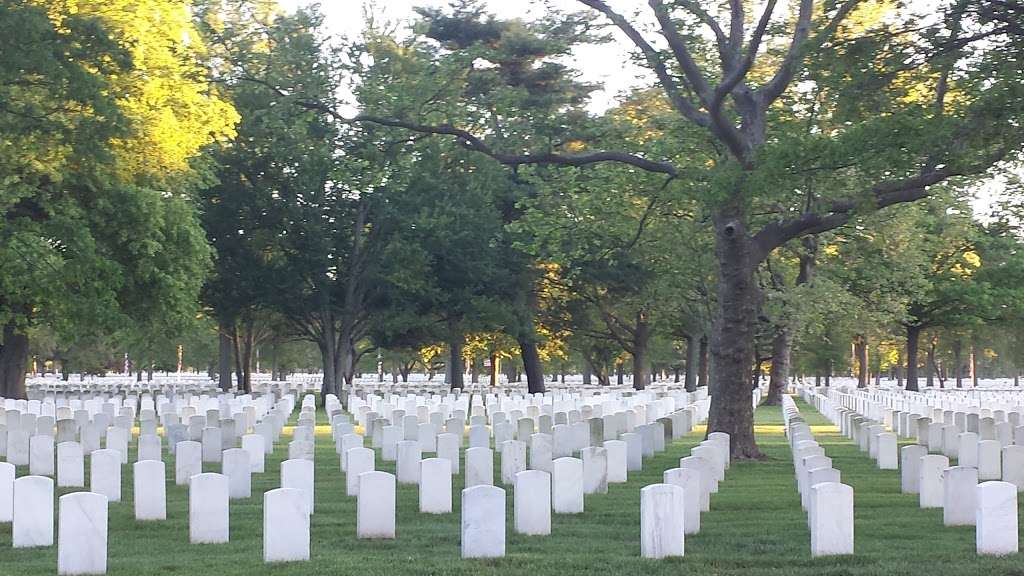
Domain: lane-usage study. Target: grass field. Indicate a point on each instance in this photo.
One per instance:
(755, 526)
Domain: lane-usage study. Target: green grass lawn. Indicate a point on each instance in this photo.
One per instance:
(755, 526)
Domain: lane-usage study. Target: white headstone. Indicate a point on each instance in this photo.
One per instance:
(105, 474)
(212, 444)
(235, 465)
(359, 460)
(188, 461)
(70, 465)
(595, 470)
(41, 456)
(407, 469)
(448, 445)
(567, 486)
(33, 512)
(910, 468)
(617, 472)
(117, 439)
(479, 467)
(285, 525)
(483, 522)
(960, 501)
(208, 515)
(662, 526)
(150, 447)
(832, 519)
(532, 503)
(990, 456)
(513, 460)
(6, 491)
(930, 482)
(375, 508)
(435, 486)
(150, 490)
(254, 445)
(298, 473)
(996, 519)
(1013, 466)
(967, 451)
(540, 452)
(888, 455)
(689, 480)
(634, 451)
(18, 447)
(82, 534)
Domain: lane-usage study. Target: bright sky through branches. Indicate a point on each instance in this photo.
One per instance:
(607, 65)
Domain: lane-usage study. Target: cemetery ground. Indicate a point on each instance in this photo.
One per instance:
(755, 526)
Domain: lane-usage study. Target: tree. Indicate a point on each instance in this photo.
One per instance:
(747, 105)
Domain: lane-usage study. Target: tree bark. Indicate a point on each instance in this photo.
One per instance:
(779, 375)
(860, 348)
(913, 341)
(455, 361)
(733, 339)
(930, 364)
(532, 365)
(248, 344)
(958, 371)
(13, 355)
(702, 362)
(974, 364)
(691, 363)
(641, 342)
(236, 345)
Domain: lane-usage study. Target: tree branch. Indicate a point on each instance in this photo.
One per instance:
(722, 128)
(881, 195)
(472, 142)
(790, 63)
(668, 83)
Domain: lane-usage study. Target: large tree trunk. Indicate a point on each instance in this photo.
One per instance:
(913, 340)
(13, 355)
(495, 369)
(641, 342)
(958, 370)
(860, 349)
(779, 375)
(930, 364)
(733, 340)
(345, 352)
(236, 345)
(691, 363)
(455, 361)
(532, 364)
(328, 346)
(974, 364)
(702, 362)
(249, 346)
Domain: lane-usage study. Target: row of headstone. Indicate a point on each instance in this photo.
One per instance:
(990, 506)
(828, 502)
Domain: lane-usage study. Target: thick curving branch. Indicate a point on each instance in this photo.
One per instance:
(881, 195)
(473, 142)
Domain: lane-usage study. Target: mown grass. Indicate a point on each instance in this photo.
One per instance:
(756, 526)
